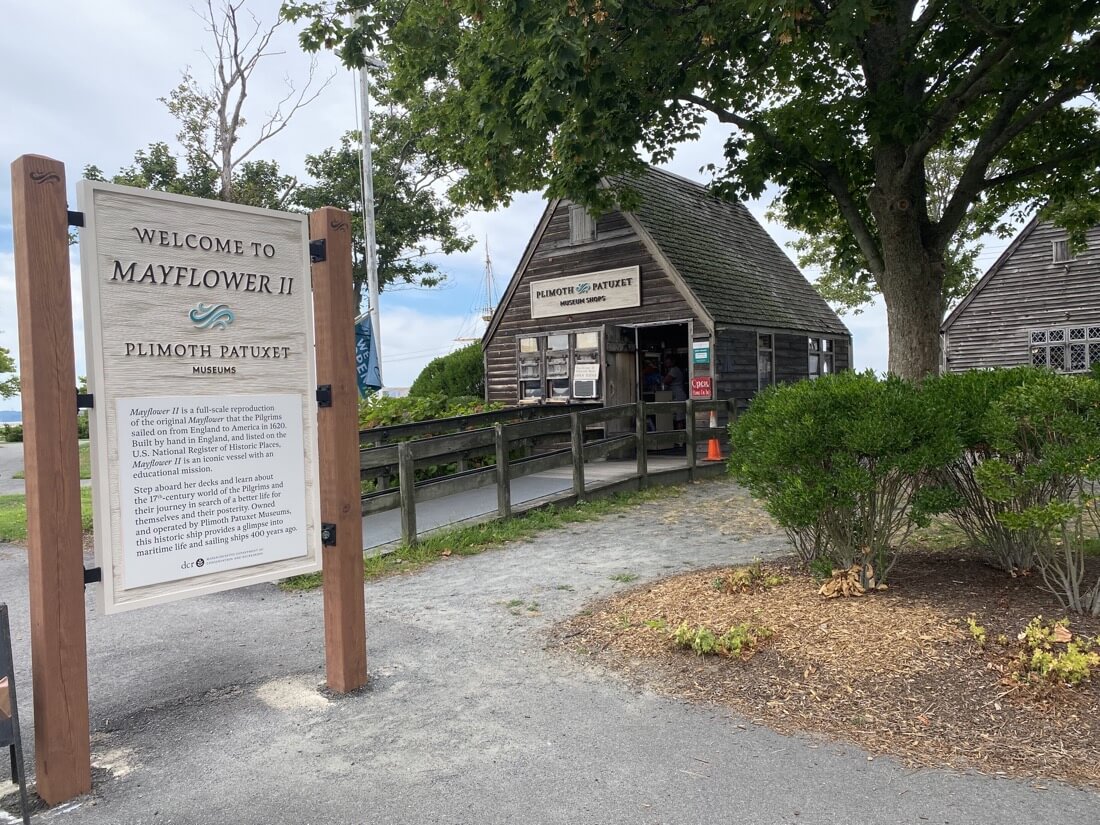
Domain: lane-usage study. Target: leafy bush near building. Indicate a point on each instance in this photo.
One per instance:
(848, 464)
(12, 433)
(378, 411)
(1046, 441)
(455, 375)
(964, 401)
(840, 460)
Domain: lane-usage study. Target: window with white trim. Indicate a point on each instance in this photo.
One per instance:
(1065, 349)
(822, 357)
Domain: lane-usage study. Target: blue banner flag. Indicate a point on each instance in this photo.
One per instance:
(366, 357)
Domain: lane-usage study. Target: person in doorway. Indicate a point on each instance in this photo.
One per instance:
(673, 381)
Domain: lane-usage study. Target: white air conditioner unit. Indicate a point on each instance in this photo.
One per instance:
(585, 388)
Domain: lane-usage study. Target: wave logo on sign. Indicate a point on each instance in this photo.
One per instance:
(584, 287)
(208, 316)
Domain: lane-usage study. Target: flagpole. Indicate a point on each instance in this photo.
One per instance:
(368, 207)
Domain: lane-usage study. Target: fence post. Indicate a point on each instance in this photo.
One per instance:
(689, 426)
(576, 427)
(639, 440)
(55, 557)
(406, 480)
(338, 454)
(504, 481)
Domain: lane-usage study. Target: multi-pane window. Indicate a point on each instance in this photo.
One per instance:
(821, 357)
(765, 360)
(549, 366)
(1065, 349)
(582, 226)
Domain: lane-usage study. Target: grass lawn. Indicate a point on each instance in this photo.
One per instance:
(474, 539)
(13, 515)
(85, 462)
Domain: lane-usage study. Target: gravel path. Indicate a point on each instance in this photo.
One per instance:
(11, 462)
(209, 710)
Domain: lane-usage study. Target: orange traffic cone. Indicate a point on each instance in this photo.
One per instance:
(714, 449)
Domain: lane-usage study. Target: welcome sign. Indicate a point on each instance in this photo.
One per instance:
(591, 292)
(199, 330)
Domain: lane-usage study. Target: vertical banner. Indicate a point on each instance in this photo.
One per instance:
(367, 369)
(199, 326)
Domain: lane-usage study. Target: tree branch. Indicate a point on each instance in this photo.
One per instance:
(828, 173)
(1048, 165)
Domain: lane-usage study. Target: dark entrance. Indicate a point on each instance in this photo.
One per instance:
(655, 345)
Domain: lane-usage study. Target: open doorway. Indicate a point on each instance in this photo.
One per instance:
(663, 362)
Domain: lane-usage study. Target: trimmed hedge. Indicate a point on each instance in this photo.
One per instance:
(848, 464)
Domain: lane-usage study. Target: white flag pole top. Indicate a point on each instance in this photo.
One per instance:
(368, 207)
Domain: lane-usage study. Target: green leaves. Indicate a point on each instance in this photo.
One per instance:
(457, 374)
(8, 386)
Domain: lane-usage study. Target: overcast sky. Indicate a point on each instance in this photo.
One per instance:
(81, 83)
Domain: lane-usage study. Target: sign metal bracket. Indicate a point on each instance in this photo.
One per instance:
(318, 251)
(328, 534)
(324, 395)
(92, 575)
(75, 218)
(85, 401)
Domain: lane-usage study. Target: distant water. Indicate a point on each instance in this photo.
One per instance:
(10, 417)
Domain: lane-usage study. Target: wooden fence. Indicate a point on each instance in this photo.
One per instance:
(511, 449)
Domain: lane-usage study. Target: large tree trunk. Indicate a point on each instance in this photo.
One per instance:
(913, 312)
(912, 285)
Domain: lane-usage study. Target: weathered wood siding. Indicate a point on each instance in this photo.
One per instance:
(735, 367)
(1028, 291)
(792, 358)
(616, 245)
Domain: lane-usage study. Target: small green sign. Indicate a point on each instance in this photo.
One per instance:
(700, 352)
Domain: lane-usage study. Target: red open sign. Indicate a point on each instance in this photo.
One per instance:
(702, 387)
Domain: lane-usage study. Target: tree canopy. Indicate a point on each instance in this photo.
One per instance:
(8, 386)
(839, 103)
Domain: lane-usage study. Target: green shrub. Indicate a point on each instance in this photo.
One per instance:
(1045, 436)
(1052, 653)
(741, 640)
(457, 374)
(12, 433)
(844, 456)
(378, 411)
(965, 400)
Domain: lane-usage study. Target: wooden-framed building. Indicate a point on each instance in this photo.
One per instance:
(594, 302)
(1038, 304)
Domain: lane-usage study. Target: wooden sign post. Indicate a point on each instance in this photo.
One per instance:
(55, 556)
(338, 448)
(54, 532)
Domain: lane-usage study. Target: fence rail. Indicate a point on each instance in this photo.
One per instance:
(511, 444)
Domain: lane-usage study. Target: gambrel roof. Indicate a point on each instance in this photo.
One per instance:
(727, 259)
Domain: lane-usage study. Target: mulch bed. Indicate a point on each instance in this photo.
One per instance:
(897, 672)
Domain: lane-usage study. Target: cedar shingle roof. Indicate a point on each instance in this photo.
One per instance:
(727, 258)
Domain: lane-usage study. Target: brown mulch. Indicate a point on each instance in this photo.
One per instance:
(897, 672)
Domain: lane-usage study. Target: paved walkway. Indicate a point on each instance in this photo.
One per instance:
(383, 528)
(209, 710)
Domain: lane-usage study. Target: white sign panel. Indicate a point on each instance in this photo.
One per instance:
(199, 328)
(591, 292)
(586, 372)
